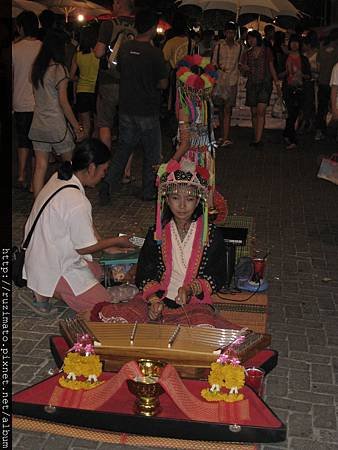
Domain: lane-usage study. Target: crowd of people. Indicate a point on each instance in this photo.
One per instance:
(70, 99)
(66, 89)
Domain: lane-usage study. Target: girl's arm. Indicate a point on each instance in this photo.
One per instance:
(73, 68)
(184, 143)
(67, 110)
(149, 268)
(334, 108)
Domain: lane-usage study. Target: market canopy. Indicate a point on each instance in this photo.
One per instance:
(75, 7)
(26, 5)
(269, 8)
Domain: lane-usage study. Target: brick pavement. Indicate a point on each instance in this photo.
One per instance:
(296, 218)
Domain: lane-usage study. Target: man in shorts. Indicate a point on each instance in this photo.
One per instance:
(24, 52)
(226, 56)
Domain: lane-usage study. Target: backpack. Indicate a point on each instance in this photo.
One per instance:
(184, 49)
(123, 31)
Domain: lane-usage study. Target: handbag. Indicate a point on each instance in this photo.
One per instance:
(18, 253)
(328, 169)
(279, 110)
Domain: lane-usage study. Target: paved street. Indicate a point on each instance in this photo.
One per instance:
(296, 218)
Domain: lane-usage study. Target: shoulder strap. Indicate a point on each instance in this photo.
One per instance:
(29, 236)
(218, 51)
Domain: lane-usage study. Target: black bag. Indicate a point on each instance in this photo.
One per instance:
(18, 259)
(18, 253)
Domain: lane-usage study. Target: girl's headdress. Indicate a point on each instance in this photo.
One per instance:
(174, 177)
(195, 79)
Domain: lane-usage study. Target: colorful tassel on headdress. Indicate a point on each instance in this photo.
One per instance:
(205, 234)
(158, 229)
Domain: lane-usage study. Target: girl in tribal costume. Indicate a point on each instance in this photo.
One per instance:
(196, 78)
(182, 262)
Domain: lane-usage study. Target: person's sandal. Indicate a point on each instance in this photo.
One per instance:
(226, 143)
(42, 309)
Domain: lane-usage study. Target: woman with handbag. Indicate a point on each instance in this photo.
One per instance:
(226, 57)
(58, 259)
(53, 114)
(297, 71)
(257, 64)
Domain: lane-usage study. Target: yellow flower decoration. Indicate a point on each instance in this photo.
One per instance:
(229, 376)
(76, 365)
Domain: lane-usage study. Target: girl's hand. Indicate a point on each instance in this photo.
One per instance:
(183, 296)
(155, 310)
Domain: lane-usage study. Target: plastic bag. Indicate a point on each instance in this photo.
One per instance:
(279, 110)
(221, 91)
(328, 169)
(122, 293)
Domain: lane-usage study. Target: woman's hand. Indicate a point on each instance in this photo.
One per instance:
(243, 67)
(124, 242)
(155, 308)
(79, 133)
(183, 296)
(117, 250)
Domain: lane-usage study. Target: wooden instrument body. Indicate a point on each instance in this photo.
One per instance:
(192, 351)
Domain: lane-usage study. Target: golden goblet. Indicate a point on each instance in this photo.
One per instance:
(146, 388)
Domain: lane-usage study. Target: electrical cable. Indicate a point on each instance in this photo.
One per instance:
(243, 300)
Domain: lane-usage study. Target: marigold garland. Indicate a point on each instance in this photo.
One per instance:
(230, 376)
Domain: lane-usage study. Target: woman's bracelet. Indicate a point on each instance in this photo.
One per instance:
(195, 287)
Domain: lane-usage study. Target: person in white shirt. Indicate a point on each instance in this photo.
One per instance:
(334, 93)
(24, 52)
(58, 260)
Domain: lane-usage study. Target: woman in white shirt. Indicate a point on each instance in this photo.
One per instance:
(58, 261)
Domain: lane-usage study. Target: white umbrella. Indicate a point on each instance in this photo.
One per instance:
(259, 25)
(68, 7)
(26, 5)
(269, 8)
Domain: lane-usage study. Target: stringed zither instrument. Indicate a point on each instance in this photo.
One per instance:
(182, 346)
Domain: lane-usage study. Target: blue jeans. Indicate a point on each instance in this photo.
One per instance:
(132, 130)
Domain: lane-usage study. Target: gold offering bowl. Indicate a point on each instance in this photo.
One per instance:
(146, 388)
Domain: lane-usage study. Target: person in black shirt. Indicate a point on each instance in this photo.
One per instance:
(143, 74)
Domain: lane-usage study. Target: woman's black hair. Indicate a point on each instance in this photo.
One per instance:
(167, 215)
(312, 39)
(53, 48)
(86, 152)
(256, 34)
(29, 22)
(88, 39)
(279, 39)
(295, 38)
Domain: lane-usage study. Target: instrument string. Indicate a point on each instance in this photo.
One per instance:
(186, 315)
